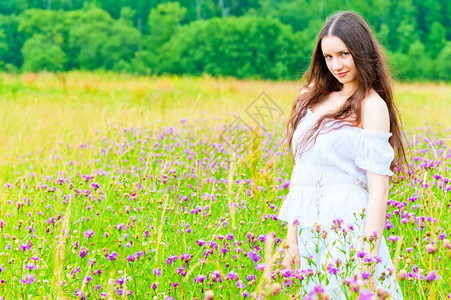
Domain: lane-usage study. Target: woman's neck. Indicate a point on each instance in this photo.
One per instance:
(348, 89)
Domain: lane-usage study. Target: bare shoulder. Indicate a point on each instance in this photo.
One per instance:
(375, 115)
(307, 88)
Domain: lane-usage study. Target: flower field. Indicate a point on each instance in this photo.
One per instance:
(123, 187)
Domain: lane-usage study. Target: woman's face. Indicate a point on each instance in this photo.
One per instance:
(339, 60)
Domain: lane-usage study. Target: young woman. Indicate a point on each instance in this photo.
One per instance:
(346, 138)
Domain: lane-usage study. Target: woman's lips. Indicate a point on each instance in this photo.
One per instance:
(342, 74)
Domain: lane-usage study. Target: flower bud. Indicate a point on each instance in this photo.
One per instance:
(209, 295)
(402, 274)
(275, 288)
(431, 248)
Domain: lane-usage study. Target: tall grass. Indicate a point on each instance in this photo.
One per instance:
(113, 185)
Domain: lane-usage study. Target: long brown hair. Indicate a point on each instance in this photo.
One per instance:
(372, 73)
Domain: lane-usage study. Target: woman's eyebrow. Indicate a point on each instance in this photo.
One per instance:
(340, 51)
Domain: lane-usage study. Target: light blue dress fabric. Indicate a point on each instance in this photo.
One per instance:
(329, 182)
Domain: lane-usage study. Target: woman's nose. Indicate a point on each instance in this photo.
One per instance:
(336, 65)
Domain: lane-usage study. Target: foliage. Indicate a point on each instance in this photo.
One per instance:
(91, 33)
(163, 22)
(232, 47)
(11, 41)
(443, 68)
(40, 53)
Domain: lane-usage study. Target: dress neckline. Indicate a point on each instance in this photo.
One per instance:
(357, 129)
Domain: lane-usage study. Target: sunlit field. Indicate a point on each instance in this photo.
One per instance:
(116, 186)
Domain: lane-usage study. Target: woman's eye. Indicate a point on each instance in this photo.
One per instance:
(344, 53)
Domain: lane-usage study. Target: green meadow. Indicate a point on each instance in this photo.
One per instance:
(117, 186)
(38, 111)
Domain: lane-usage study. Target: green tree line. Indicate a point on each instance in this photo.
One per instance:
(270, 39)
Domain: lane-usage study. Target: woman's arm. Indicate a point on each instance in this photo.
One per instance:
(375, 117)
(376, 211)
(292, 252)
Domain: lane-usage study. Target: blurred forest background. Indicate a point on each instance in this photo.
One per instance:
(270, 39)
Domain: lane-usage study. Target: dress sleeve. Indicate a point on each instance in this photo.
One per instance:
(374, 152)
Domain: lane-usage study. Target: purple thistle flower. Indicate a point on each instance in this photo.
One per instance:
(79, 293)
(285, 184)
(131, 258)
(432, 275)
(368, 260)
(121, 226)
(26, 246)
(92, 261)
(365, 295)
(366, 275)
(75, 271)
(181, 271)
(393, 238)
(157, 272)
(28, 279)
(337, 223)
(316, 293)
(332, 270)
(262, 238)
(140, 253)
(287, 273)
(232, 276)
(112, 256)
(83, 252)
(171, 259)
(254, 256)
(260, 267)
(251, 277)
(87, 178)
(200, 278)
(240, 285)
(89, 233)
(186, 257)
(361, 254)
(216, 277)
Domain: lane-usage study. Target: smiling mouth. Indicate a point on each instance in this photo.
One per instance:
(341, 74)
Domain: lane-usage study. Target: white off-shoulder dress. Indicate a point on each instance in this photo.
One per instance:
(329, 182)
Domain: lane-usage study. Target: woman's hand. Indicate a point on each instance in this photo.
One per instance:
(291, 255)
(291, 249)
(367, 272)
